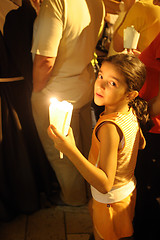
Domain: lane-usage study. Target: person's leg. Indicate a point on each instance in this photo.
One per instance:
(96, 236)
(148, 190)
(86, 135)
(86, 128)
(127, 238)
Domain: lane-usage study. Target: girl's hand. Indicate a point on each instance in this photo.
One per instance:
(62, 143)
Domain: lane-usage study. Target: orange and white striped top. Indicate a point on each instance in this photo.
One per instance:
(128, 147)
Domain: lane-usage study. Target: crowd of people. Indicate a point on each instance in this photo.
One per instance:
(49, 49)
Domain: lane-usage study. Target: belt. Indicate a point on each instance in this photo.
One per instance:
(115, 195)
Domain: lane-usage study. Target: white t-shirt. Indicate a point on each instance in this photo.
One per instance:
(68, 30)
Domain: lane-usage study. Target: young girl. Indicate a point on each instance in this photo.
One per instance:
(116, 139)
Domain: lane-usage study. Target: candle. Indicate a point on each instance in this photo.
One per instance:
(60, 114)
(131, 38)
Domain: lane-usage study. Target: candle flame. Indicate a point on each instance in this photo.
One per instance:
(53, 100)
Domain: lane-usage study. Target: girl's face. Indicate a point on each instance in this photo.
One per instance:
(110, 88)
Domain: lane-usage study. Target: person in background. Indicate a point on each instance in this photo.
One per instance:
(112, 6)
(145, 17)
(124, 7)
(5, 7)
(148, 163)
(113, 9)
(64, 40)
(24, 169)
(116, 139)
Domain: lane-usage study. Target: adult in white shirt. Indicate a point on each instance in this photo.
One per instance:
(65, 36)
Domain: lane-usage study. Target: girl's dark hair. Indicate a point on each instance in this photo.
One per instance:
(134, 72)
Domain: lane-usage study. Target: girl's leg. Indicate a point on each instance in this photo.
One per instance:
(127, 238)
(96, 236)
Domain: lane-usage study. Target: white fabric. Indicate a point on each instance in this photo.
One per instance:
(115, 195)
(68, 30)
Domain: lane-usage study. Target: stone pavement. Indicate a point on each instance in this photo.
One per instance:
(52, 223)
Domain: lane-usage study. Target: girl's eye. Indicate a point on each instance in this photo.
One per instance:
(112, 83)
(100, 76)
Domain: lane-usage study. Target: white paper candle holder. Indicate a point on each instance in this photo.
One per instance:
(131, 38)
(60, 114)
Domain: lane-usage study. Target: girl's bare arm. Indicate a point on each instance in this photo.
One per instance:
(101, 178)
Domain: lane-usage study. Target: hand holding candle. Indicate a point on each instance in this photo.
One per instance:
(60, 114)
(61, 142)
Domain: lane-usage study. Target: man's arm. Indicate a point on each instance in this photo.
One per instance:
(42, 68)
(118, 45)
(127, 21)
(112, 6)
(117, 42)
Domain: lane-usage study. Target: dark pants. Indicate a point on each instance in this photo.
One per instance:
(147, 212)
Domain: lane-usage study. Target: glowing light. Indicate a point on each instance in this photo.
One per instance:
(60, 114)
